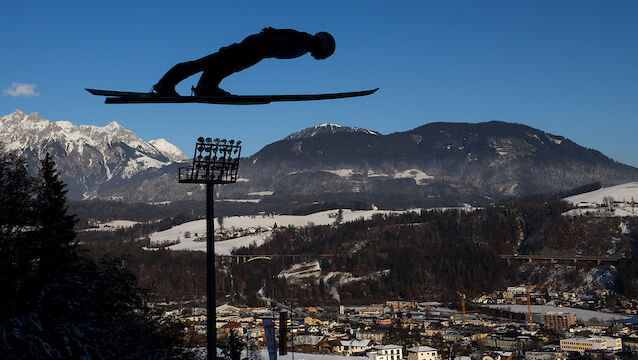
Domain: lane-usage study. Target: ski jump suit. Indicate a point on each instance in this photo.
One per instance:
(269, 43)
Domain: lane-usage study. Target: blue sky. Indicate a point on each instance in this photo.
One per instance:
(565, 67)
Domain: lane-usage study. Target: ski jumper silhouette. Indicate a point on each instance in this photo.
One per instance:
(269, 43)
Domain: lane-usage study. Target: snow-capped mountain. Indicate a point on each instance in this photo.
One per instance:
(438, 164)
(87, 156)
(323, 129)
(172, 152)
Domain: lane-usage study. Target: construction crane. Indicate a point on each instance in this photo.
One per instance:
(462, 304)
(467, 312)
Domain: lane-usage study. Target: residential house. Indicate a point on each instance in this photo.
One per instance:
(350, 347)
(305, 343)
(374, 335)
(386, 352)
(422, 353)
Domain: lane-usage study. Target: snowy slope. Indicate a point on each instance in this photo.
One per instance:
(87, 156)
(622, 192)
(113, 225)
(172, 152)
(621, 198)
(253, 221)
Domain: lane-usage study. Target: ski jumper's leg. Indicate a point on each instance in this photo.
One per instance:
(229, 60)
(179, 72)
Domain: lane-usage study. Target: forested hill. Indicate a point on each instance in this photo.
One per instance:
(433, 254)
(451, 161)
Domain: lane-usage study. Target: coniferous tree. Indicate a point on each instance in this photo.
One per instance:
(60, 305)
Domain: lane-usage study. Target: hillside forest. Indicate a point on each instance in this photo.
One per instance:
(423, 255)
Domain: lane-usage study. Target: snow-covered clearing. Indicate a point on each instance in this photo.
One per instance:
(311, 272)
(416, 174)
(620, 199)
(241, 200)
(622, 192)
(222, 247)
(261, 193)
(197, 228)
(113, 225)
(620, 210)
(341, 172)
(581, 314)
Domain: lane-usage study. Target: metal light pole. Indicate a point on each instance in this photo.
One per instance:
(215, 162)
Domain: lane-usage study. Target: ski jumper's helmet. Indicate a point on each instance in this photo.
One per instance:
(326, 45)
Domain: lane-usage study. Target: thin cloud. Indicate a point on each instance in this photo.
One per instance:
(18, 89)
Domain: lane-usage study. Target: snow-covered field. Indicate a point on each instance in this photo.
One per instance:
(622, 196)
(617, 211)
(581, 314)
(197, 228)
(622, 192)
(241, 200)
(222, 247)
(113, 225)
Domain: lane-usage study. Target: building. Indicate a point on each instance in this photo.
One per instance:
(350, 347)
(305, 343)
(422, 353)
(581, 345)
(386, 352)
(546, 355)
(558, 321)
(370, 335)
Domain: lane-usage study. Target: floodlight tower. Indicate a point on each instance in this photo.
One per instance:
(215, 162)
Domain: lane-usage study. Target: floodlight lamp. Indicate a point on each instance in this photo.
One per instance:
(200, 149)
(199, 158)
(209, 140)
(200, 139)
(231, 142)
(238, 142)
(216, 140)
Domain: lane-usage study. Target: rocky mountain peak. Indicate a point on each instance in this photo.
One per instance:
(87, 156)
(171, 151)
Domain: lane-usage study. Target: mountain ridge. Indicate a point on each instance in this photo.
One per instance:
(87, 156)
(436, 164)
